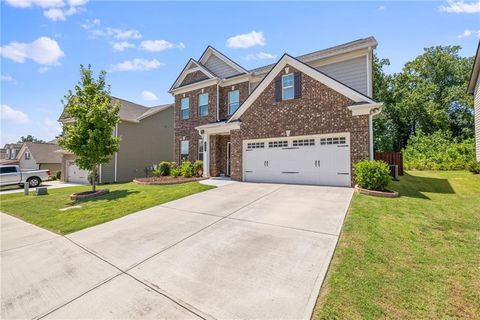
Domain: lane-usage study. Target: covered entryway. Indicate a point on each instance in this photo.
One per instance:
(316, 160)
(75, 174)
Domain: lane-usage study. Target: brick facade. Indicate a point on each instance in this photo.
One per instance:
(186, 127)
(193, 77)
(218, 154)
(319, 110)
(243, 87)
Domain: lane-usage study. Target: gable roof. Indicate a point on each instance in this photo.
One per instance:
(42, 152)
(285, 60)
(229, 62)
(154, 110)
(475, 71)
(188, 69)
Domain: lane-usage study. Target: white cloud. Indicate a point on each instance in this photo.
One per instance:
(89, 24)
(116, 33)
(159, 45)
(121, 46)
(50, 127)
(44, 51)
(55, 10)
(260, 56)
(148, 96)
(11, 115)
(135, 65)
(467, 33)
(381, 8)
(54, 14)
(42, 69)
(461, 7)
(246, 40)
(9, 78)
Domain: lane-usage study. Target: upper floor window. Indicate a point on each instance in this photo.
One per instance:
(27, 155)
(233, 101)
(8, 154)
(203, 104)
(287, 87)
(184, 107)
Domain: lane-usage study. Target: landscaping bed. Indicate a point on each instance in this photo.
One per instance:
(88, 194)
(166, 180)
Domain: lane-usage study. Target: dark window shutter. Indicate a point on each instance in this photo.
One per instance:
(297, 84)
(278, 89)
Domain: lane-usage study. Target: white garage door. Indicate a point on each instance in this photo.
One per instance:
(75, 174)
(318, 160)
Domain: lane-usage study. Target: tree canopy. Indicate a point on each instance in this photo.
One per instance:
(30, 138)
(91, 119)
(428, 95)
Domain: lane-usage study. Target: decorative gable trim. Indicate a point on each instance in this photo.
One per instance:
(187, 70)
(211, 50)
(306, 69)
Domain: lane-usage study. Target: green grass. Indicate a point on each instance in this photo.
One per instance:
(413, 257)
(123, 199)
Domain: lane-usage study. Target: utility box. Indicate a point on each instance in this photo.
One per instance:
(41, 191)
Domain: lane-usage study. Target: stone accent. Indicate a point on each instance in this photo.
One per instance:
(218, 154)
(186, 127)
(243, 87)
(319, 110)
(193, 77)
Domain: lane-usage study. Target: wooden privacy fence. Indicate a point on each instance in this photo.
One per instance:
(394, 158)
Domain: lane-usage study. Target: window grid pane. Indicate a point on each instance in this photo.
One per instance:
(233, 101)
(287, 87)
(203, 104)
(255, 145)
(184, 105)
(278, 144)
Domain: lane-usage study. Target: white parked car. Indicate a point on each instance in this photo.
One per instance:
(13, 175)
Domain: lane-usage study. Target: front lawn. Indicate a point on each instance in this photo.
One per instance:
(123, 199)
(413, 257)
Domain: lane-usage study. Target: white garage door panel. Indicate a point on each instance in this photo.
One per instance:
(319, 160)
(77, 175)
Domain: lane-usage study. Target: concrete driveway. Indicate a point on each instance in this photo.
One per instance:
(239, 251)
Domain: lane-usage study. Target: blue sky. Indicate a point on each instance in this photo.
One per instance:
(144, 45)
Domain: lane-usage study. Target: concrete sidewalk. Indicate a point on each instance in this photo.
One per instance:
(238, 251)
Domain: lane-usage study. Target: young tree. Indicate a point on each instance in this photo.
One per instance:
(93, 118)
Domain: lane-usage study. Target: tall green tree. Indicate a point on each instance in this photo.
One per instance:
(30, 138)
(92, 118)
(428, 95)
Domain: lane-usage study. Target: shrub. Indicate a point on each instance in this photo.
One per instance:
(372, 174)
(58, 174)
(173, 165)
(164, 168)
(156, 172)
(174, 172)
(474, 167)
(438, 151)
(197, 168)
(186, 169)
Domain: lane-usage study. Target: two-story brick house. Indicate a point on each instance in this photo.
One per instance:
(304, 119)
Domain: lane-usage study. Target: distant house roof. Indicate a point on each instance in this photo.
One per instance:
(13, 146)
(130, 111)
(43, 152)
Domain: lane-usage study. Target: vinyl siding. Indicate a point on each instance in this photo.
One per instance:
(476, 104)
(219, 68)
(144, 144)
(352, 72)
(27, 164)
(108, 171)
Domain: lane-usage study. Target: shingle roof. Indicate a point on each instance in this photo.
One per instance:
(44, 152)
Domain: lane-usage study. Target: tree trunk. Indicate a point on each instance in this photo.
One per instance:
(94, 178)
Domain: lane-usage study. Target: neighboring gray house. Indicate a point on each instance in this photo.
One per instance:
(146, 139)
(39, 156)
(11, 153)
(474, 89)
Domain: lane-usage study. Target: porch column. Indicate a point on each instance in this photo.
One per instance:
(206, 155)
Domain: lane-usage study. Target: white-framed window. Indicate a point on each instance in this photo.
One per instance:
(8, 154)
(27, 155)
(287, 87)
(203, 104)
(184, 107)
(200, 149)
(303, 142)
(184, 150)
(14, 154)
(278, 144)
(334, 140)
(233, 101)
(255, 145)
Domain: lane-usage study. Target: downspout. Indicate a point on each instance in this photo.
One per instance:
(218, 100)
(373, 112)
(116, 153)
